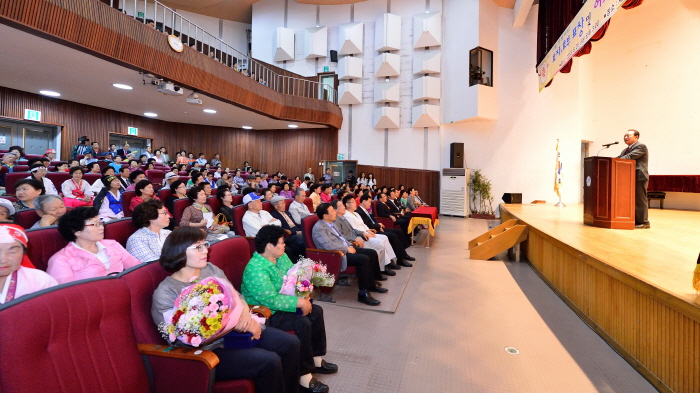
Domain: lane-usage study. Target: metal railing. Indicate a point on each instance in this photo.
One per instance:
(167, 21)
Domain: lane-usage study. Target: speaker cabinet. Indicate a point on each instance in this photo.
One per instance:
(511, 198)
(456, 155)
(334, 56)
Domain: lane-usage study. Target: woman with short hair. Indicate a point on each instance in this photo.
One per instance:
(196, 177)
(38, 172)
(151, 217)
(144, 192)
(109, 200)
(26, 190)
(179, 191)
(76, 191)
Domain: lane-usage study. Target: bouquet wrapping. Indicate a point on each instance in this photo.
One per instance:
(304, 276)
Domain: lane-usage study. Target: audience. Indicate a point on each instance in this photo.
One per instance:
(216, 161)
(226, 198)
(371, 181)
(294, 241)
(6, 211)
(179, 190)
(255, 217)
(38, 172)
(50, 209)
(298, 209)
(88, 254)
(316, 195)
(151, 217)
(51, 155)
(195, 178)
(76, 191)
(134, 177)
(26, 191)
(287, 191)
(326, 193)
(109, 200)
(144, 192)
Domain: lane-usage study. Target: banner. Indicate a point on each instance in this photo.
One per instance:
(587, 22)
(558, 173)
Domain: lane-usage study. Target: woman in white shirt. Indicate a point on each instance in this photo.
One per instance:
(371, 181)
(38, 172)
(362, 179)
(76, 191)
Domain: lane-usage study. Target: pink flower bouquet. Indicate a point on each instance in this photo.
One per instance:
(306, 274)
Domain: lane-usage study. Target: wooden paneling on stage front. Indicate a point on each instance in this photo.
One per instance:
(633, 287)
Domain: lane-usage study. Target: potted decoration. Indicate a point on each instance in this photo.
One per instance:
(481, 198)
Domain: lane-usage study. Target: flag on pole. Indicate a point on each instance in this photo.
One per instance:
(558, 173)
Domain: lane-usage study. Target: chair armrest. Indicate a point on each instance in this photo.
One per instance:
(207, 357)
(354, 244)
(261, 310)
(325, 251)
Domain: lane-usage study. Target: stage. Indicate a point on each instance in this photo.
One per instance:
(632, 286)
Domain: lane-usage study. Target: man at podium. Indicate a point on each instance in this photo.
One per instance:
(638, 152)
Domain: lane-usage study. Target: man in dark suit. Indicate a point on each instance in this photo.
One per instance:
(363, 211)
(124, 173)
(638, 152)
(124, 151)
(384, 210)
(294, 241)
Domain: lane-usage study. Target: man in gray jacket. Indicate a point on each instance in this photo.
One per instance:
(638, 152)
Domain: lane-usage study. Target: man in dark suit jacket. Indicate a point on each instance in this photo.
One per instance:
(294, 242)
(124, 151)
(638, 151)
(384, 210)
(363, 211)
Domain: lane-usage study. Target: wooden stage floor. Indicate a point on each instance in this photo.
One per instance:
(663, 256)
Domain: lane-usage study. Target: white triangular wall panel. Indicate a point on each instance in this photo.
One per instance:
(425, 115)
(427, 30)
(315, 42)
(386, 117)
(350, 93)
(387, 33)
(349, 68)
(426, 88)
(351, 38)
(387, 64)
(387, 91)
(426, 62)
(284, 49)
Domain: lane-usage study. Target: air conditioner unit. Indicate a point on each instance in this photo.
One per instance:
(454, 192)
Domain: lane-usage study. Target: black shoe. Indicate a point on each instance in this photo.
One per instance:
(646, 225)
(409, 258)
(368, 300)
(378, 290)
(393, 266)
(326, 368)
(405, 264)
(383, 278)
(389, 272)
(316, 386)
(377, 284)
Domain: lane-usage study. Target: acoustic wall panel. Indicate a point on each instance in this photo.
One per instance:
(426, 62)
(386, 92)
(315, 42)
(350, 93)
(386, 117)
(387, 64)
(284, 49)
(427, 30)
(425, 116)
(387, 33)
(351, 38)
(426, 88)
(349, 68)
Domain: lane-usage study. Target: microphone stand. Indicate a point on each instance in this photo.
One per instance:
(606, 147)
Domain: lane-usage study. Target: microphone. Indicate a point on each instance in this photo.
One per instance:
(610, 144)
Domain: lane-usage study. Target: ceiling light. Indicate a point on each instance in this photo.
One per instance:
(150, 114)
(293, 126)
(120, 86)
(247, 127)
(209, 111)
(50, 93)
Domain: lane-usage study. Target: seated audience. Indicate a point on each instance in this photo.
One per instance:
(226, 198)
(238, 180)
(170, 178)
(326, 193)
(50, 208)
(200, 214)
(316, 195)
(93, 168)
(164, 155)
(124, 180)
(8, 161)
(87, 159)
(206, 187)
(76, 191)
(294, 241)
(144, 192)
(298, 209)
(6, 211)
(216, 160)
(404, 200)
(51, 155)
(134, 177)
(195, 178)
(384, 210)
(88, 254)
(225, 180)
(256, 217)
(273, 364)
(62, 167)
(287, 191)
(73, 163)
(17, 274)
(151, 217)
(201, 160)
(38, 172)
(109, 200)
(133, 163)
(179, 191)
(413, 200)
(26, 191)
(262, 282)
(266, 194)
(182, 158)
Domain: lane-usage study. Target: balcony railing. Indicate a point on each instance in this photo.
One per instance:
(167, 21)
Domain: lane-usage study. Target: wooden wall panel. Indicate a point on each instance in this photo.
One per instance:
(95, 28)
(427, 182)
(289, 151)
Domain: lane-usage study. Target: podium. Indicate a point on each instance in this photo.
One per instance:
(608, 192)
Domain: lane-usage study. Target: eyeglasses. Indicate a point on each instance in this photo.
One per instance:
(200, 248)
(97, 224)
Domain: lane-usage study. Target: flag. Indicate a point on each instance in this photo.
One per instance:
(557, 173)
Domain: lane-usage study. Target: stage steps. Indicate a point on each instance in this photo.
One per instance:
(501, 238)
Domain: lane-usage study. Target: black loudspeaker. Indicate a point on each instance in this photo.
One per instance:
(510, 197)
(334, 56)
(456, 155)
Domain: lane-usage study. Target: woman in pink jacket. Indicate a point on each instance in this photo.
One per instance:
(88, 254)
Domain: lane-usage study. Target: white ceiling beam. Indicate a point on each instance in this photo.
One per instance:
(520, 11)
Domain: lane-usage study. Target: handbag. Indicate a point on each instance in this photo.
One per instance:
(220, 225)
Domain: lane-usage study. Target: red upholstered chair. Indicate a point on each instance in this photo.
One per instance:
(267, 206)
(238, 212)
(57, 178)
(30, 156)
(11, 179)
(164, 194)
(332, 259)
(92, 177)
(9, 198)
(237, 200)
(310, 204)
(21, 168)
(120, 230)
(308, 193)
(155, 176)
(215, 204)
(26, 218)
(214, 191)
(79, 157)
(184, 178)
(23, 161)
(179, 206)
(102, 163)
(43, 243)
(127, 196)
(182, 173)
(287, 202)
(232, 256)
(386, 221)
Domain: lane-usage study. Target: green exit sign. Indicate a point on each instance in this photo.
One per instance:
(139, 15)
(133, 131)
(341, 156)
(32, 115)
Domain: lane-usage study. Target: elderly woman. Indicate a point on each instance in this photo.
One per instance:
(38, 172)
(287, 191)
(17, 274)
(49, 208)
(158, 156)
(200, 214)
(179, 191)
(238, 180)
(26, 191)
(109, 200)
(151, 217)
(262, 282)
(88, 254)
(144, 192)
(195, 178)
(8, 161)
(182, 158)
(273, 364)
(76, 191)
(226, 199)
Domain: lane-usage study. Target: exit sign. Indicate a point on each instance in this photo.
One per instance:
(133, 131)
(341, 156)
(139, 15)
(32, 115)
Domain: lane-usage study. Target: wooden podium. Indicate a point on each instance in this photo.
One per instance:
(608, 192)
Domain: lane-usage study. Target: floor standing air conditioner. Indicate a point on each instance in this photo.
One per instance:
(454, 192)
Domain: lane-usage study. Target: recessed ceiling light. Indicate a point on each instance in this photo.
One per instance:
(120, 86)
(293, 126)
(150, 114)
(247, 127)
(209, 111)
(50, 93)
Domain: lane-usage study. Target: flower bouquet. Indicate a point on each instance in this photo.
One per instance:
(306, 274)
(201, 311)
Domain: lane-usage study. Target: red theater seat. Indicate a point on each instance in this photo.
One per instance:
(26, 218)
(155, 176)
(43, 243)
(92, 177)
(237, 200)
(179, 206)
(11, 179)
(57, 178)
(238, 212)
(120, 230)
(310, 204)
(21, 168)
(386, 221)
(267, 206)
(127, 196)
(164, 194)
(215, 204)
(332, 259)
(232, 256)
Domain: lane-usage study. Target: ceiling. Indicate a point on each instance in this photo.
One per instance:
(31, 64)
